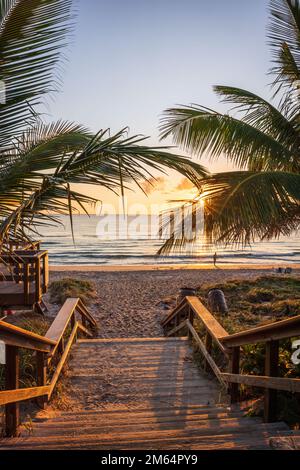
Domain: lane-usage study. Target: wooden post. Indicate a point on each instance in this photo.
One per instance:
(12, 416)
(38, 290)
(234, 369)
(191, 317)
(208, 346)
(84, 322)
(41, 366)
(45, 273)
(271, 370)
(61, 346)
(26, 282)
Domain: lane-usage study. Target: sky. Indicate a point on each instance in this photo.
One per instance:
(131, 59)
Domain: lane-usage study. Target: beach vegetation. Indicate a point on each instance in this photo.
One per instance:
(64, 288)
(260, 200)
(254, 303)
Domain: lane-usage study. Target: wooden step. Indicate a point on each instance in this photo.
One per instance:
(143, 393)
(151, 440)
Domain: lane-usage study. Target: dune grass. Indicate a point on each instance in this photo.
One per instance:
(257, 302)
(67, 287)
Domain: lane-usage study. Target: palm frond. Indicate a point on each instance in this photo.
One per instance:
(113, 162)
(243, 207)
(32, 34)
(201, 130)
(261, 114)
(284, 38)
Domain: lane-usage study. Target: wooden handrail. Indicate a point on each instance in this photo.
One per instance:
(274, 331)
(22, 394)
(61, 323)
(46, 347)
(15, 336)
(230, 346)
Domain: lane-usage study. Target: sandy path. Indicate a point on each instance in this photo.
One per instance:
(127, 303)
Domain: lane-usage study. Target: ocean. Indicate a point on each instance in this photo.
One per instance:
(96, 243)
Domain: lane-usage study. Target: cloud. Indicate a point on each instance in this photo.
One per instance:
(154, 184)
(184, 185)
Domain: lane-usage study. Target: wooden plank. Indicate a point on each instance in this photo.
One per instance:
(86, 313)
(26, 283)
(277, 330)
(22, 394)
(38, 286)
(63, 359)
(271, 369)
(211, 324)
(173, 314)
(15, 336)
(276, 383)
(177, 328)
(207, 356)
(12, 412)
(45, 270)
(234, 367)
(208, 347)
(61, 322)
(41, 366)
(85, 330)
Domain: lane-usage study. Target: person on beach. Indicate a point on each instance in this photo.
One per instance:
(215, 259)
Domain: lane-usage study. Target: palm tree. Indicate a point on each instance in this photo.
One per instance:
(261, 200)
(40, 163)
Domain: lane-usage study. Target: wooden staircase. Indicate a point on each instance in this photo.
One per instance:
(143, 393)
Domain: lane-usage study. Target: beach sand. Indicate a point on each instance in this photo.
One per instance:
(131, 301)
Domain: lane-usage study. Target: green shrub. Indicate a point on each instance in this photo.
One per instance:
(68, 287)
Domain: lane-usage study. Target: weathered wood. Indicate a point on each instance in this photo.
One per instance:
(24, 271)
(181, 306)
(85, 330)
(208, 347)
(45, 271)
(276, 383)
(15, 336)
(206, 355)
(261, 334)
(61, 322)
(38, 287)
(63, 359)
(41, 366)
(211, 324)
(26, 283)
(174, 407)
(22, 394)
(11, 382)
(84, 311)
(177, 328)
(234, 367)
(271, 369)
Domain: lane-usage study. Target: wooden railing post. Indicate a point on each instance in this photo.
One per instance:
(38, 288)
(234, 366)
(191, 318)
(208, 347)
(11, 383)
(41, 366)
(271, 370)
(26, 282)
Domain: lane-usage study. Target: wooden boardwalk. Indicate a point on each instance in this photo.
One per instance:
(144, 394)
